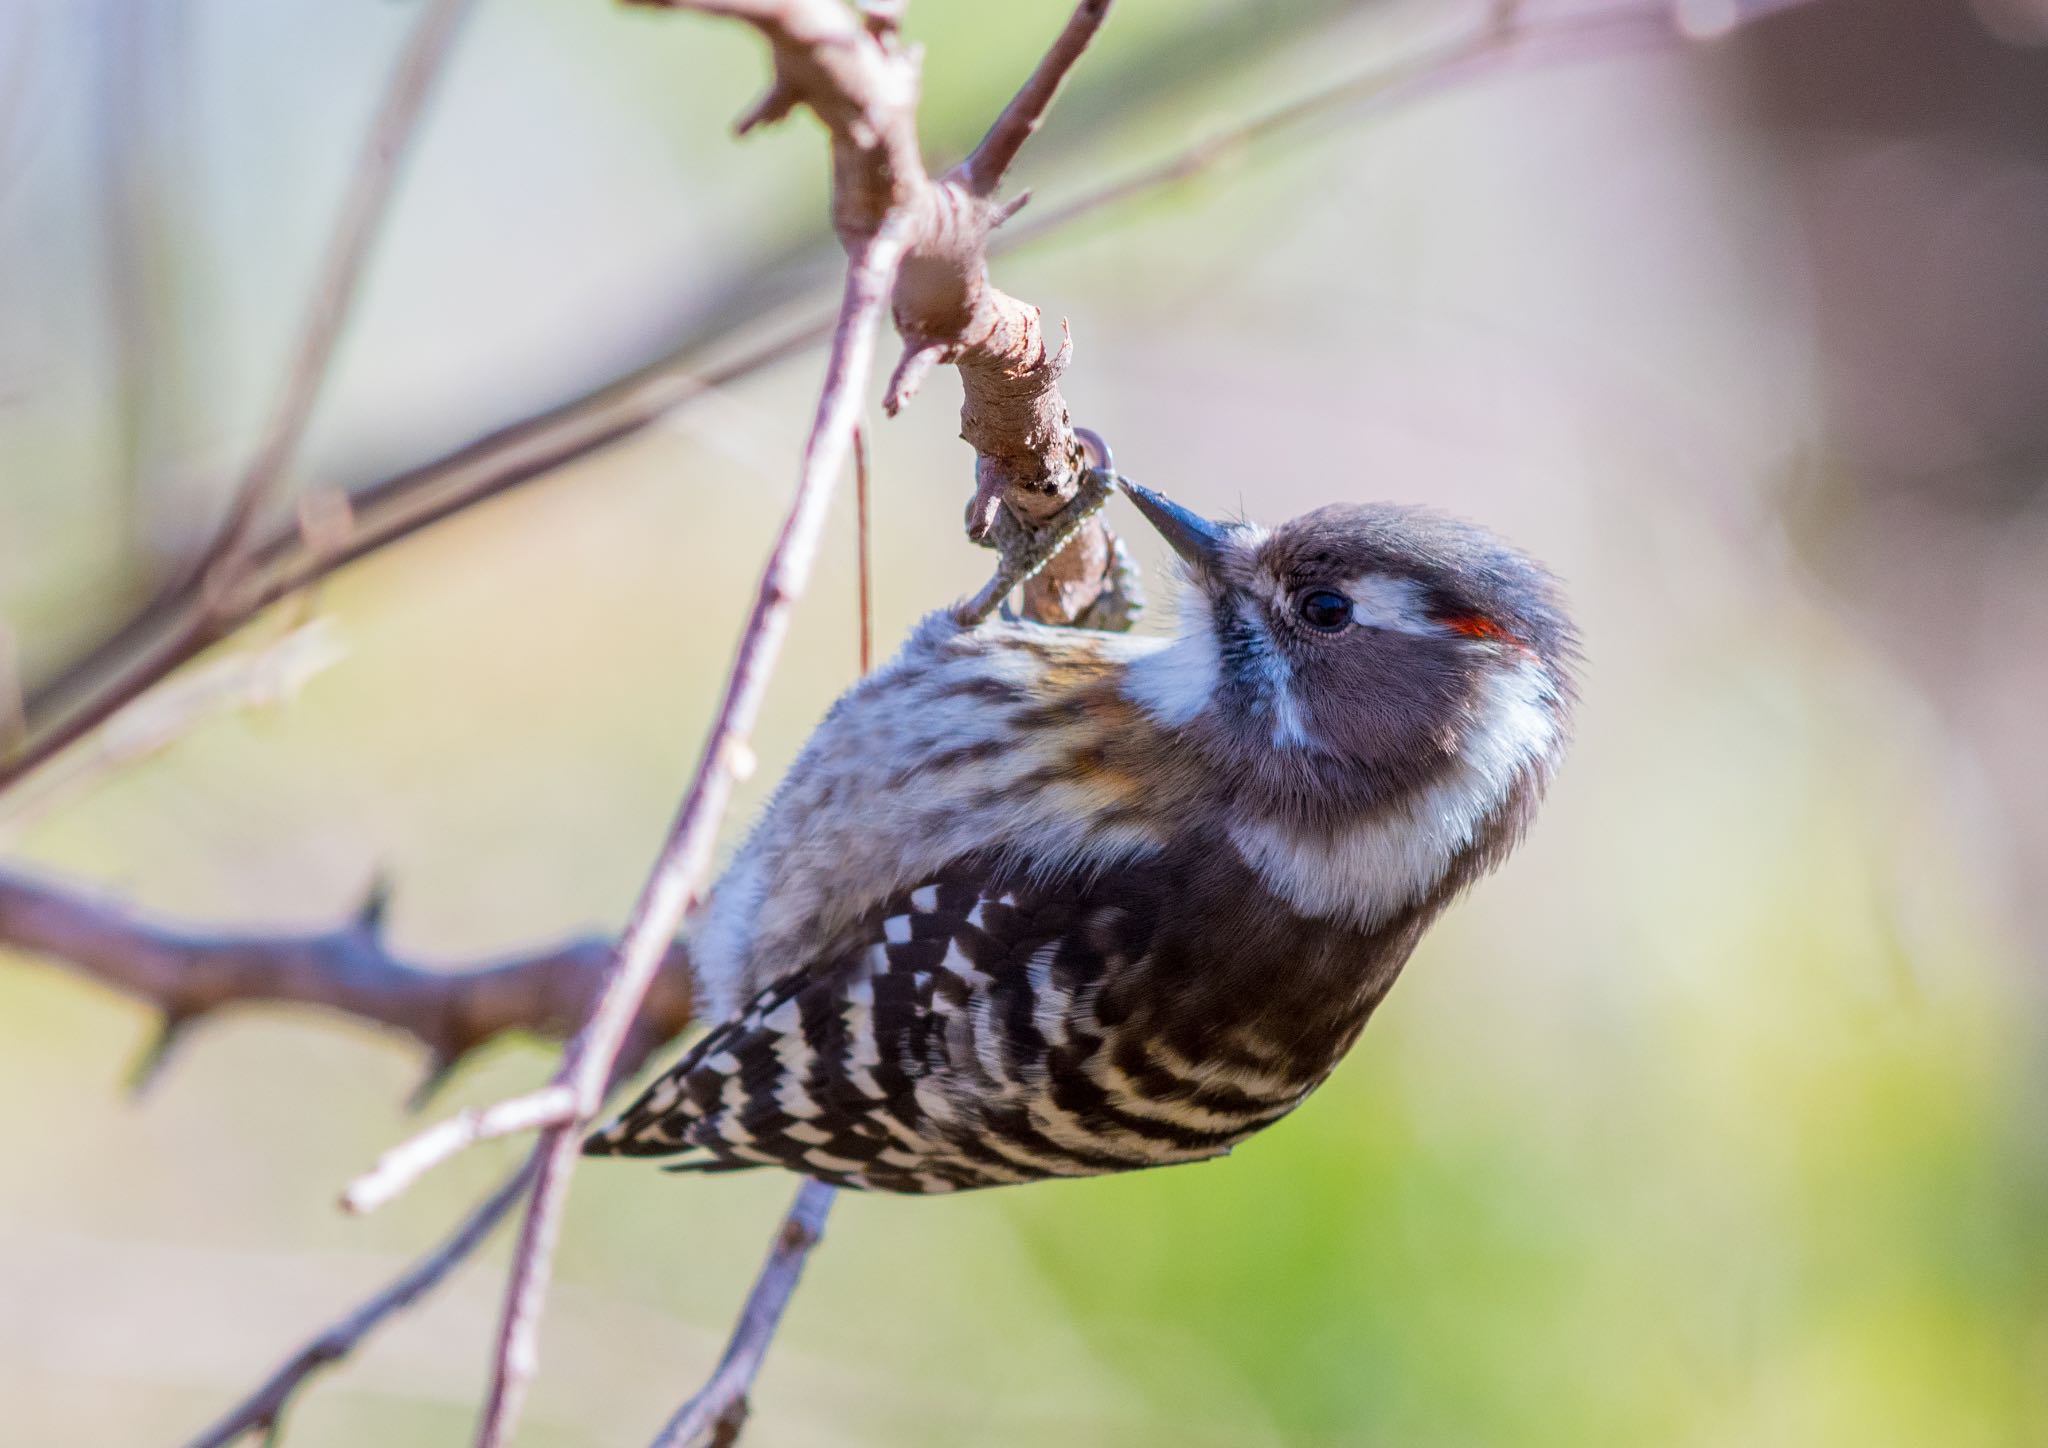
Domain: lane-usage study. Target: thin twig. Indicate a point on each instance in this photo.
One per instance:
(398, 1168)
(680, 869)
(983, 170)
(720, 1406)
(262, 1410)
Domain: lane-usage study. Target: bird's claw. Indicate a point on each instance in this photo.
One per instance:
(1026, 550)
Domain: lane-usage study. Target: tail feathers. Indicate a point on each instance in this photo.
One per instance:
(707, 1165)
(646, 1133)
(657, 1124)
(620, 1139)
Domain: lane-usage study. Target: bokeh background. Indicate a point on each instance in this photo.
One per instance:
(1716, 1119)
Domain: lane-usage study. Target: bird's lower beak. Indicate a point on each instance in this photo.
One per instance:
(1193, 537)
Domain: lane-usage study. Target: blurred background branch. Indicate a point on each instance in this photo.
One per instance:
(188, 976)
(204, 607)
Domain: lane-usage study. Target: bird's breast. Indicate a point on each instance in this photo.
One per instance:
(1006, 740)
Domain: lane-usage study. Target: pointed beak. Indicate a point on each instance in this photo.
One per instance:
(1193, 537)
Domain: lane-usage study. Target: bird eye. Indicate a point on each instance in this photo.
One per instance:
(1324, 610)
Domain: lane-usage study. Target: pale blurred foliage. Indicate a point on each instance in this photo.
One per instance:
(1716, 1119)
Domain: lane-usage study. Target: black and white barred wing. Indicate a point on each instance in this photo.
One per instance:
(958, 1042)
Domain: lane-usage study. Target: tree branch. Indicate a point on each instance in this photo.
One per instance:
(862, 84)
(720, 1406)
(189, 975)
(889, 214)
(863, 553)
(154, 643)
(685, 859)
(1506, 37)
(982, 172)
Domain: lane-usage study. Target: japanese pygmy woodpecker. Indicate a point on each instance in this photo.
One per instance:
(1040, 902)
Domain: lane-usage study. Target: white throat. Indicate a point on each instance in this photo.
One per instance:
(1175, 680)
(1373, 870)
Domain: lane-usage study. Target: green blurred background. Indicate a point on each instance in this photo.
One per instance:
(1716, 1119)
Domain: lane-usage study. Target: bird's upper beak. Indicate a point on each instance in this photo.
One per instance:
(1193, 537)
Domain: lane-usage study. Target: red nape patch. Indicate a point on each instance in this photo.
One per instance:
(1476, 626)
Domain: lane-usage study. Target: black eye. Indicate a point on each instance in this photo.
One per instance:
(1324, 610)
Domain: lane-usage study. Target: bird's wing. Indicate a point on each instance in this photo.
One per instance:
(958, 1040)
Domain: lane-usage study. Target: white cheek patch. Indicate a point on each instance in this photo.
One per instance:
(1397, 604)
(1176, 682)
(1375, 869)
(1378, 600)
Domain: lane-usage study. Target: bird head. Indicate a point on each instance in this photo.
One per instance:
(1362, 660)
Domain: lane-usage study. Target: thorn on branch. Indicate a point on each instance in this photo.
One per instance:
(149, 1065)
(920, 355)
(730, 1422)
(440, 1066)
(775, 105)
(983, 509)
(1000, 215)
(883, 18)
(983, 170)
(370, 915)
